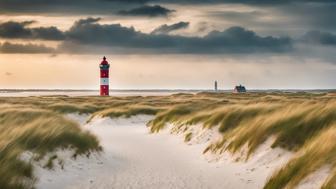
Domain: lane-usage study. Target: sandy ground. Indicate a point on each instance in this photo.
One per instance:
(133, 158)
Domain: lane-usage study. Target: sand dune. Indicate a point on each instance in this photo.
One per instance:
(133, 158)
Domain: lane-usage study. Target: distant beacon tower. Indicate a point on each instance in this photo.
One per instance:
(104, 77)
(216, 87)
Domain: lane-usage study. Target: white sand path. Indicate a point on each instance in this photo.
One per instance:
(135, 159)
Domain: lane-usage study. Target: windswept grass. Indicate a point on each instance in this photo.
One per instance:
(304, 123)
(73, 108)
(40, 132)
(301, 123)
(318, 152)
(127, 112)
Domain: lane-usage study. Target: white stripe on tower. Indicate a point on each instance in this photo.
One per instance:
(104, 81)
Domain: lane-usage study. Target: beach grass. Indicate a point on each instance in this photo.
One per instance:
(303, 123)
(40, 132)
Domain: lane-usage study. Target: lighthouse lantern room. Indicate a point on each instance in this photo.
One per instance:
(104, 77)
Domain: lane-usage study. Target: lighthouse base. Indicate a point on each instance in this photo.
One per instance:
(104, 90)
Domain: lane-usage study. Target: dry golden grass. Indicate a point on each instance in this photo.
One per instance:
(40, 132)
(318, 152)
(304, 123)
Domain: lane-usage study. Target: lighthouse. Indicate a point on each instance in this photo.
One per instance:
(104, 77)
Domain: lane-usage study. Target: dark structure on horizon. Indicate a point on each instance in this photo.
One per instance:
(216, 86)
(239, 89)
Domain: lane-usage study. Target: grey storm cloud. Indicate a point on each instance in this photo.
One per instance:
(314, 15)
(165, 29)
(113, 6)
(320, 38)
(291, 16)
(89, 7)
(63, 6)
(249, 16)
(8, 47)
(21, 30)
(88, 35)
(232, 40)
(147, 10)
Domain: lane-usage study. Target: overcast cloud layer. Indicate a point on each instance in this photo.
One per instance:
(263, 26)
(88, 32)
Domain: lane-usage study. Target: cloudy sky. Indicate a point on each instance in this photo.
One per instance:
(168, 44)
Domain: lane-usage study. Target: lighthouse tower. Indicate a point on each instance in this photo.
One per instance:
(104, 77)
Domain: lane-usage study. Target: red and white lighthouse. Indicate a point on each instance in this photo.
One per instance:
(104, 77)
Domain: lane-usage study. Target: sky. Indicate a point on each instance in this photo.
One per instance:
(168, 44)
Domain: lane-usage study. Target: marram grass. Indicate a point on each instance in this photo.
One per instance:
(304, 123)
(40, 132)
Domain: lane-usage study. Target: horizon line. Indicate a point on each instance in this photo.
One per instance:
(117, 90)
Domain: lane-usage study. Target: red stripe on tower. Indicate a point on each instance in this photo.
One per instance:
(104, 77)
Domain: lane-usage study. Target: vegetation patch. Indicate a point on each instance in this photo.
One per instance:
(40, 132)
(304, 123)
